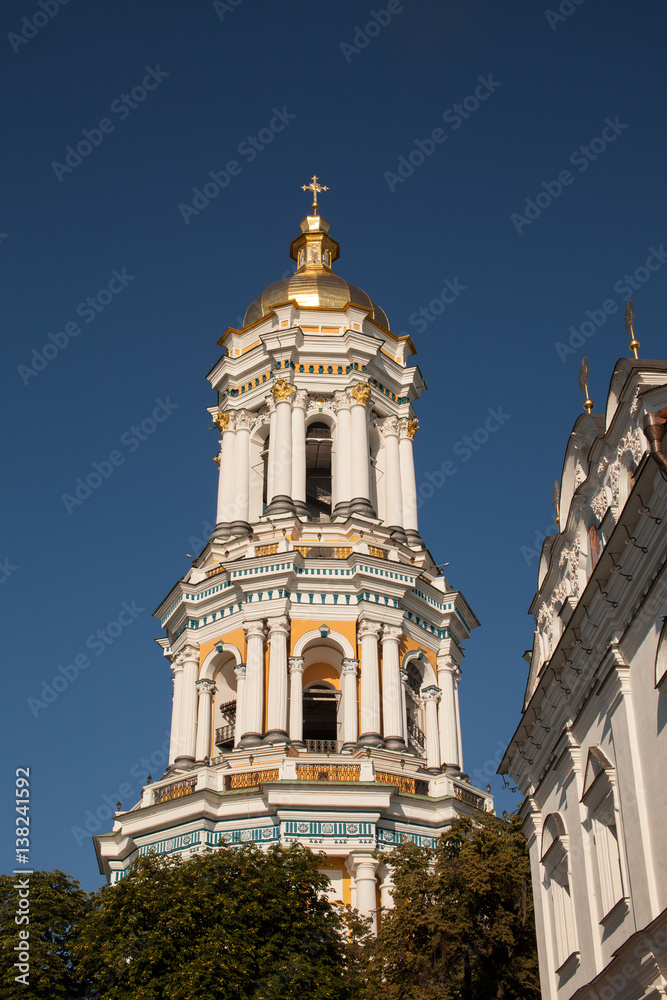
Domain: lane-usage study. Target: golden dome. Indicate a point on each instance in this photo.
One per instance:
(314, 284)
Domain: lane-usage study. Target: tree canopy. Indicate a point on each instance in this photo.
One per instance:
(236, 924)
(57, 907)
(463, 924)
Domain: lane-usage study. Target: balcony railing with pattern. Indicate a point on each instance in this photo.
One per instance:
(323, 746)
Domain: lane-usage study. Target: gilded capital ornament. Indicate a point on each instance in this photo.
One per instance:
(216, 459)
(413, 427)
(361, 393)
(281, 390)
(221, 420)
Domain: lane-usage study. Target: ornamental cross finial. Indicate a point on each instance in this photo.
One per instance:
(315, 188)
(629, 326)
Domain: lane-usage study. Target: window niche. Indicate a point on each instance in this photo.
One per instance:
(555, 861)
(599, 799)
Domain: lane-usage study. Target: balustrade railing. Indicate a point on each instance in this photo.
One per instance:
(323, 746)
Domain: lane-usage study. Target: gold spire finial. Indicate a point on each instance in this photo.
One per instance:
(556, 502)
(315, 188)
(629, 319)
(583, 385)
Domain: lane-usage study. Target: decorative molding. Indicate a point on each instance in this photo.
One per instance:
(281, 390)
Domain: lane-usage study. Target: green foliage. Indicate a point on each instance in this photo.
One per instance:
(236, 924)
(57, 905)
(463, 923)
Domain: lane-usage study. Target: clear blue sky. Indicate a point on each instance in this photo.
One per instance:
(352, 106)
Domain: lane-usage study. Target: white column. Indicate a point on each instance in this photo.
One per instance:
(386, 887)
(370, 684)
(350, 706)
(270, 461)
(226, 511)
(253, 712)
(393, 492)
(458, 718)
(280, 450)
(177, 671)
(408, 429)
(342, 484)
(360, 484)
(187, 727)
(364, 876)
(276, 724)
(206, 689)
(431, 696)
(296, 700)
(404, 707)
(239, 670)
(391, 689)
(298, 493)
(449, 739)
(242, 469)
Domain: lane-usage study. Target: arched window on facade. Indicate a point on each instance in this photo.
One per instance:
(416, 740)
(555, 857)
(320, 712)
(318, 470)
(599, 799)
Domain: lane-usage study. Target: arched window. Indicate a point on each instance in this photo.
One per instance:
(416, 740)
(320, 712)
(599, 798)
(555, 852)
(318, 470)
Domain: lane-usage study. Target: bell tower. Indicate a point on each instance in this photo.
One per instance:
(314, 645)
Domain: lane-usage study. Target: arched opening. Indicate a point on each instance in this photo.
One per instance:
(318, 470)
(416, 739)
(264, 457)
(320, 712)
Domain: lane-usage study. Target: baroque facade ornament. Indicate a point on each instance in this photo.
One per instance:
(413, 427)
(221, 420)
(361, 393)
(281, 390)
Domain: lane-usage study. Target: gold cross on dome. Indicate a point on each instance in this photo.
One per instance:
(315, 188)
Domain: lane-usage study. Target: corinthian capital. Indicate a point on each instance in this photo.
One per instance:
(389, 425)
(281, 390)
(391, 633)
(369, 628)
(243, 420)
(206, 686)
(278, 625)
(190, 652)
(254, 629)
(360, 393)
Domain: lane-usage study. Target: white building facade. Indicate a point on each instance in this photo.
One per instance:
(315, 647)
(590, 754)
